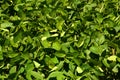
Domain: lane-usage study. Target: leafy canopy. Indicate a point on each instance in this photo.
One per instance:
(59, 39)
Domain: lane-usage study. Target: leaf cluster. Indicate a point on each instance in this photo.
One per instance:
(59, 39)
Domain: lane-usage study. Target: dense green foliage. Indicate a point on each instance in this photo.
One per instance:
(59, 39)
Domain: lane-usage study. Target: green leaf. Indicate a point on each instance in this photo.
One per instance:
(37, 75)
(56, 45)
(59, 39)
(28, 76)
(117, 28)
(12, 54)
(54, 60)
(17, 6)
(71, 75)
(46, 44)
(62, 34)
(105, 63)
(3, 77)
(13, 69)
(1, 53)
(37, 65)
(59, 66)
(94, 77)
(29, 66)
(101, 38)
(21, 70)
(13, 43)
(49, 61)
(57, 74)
(45, 35)
(85, 67)
(98, 37)
(118, 59)
(6, 24)
(59, 24)
(18, 36)
(112, 58)
(65, 46)
(60, 54)
(115, 69)
(71, 66)
(25, 56)
(96, 49)
(14, 18)
(5, 6)
(79, 70)
(99, 18)
(80, 42)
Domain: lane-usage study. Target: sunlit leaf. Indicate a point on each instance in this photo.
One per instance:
(57, 74)
(97, 49)
(6, 24)
(79, 70)
(56, 45)
(36, 64)
(46, 44)
(112, 58)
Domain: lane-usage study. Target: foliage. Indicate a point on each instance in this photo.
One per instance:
(59, 39)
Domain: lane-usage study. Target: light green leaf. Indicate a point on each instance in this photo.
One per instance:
(116, 67)
(94, 77)
(17, 6)
(97, 49)
(65, 46)
(70, 73)
(54, 60)
(28, 76)
(101, 38)
(45, 35)
(117, 28)
(37, 65)
(59, 54)
(37, 75)
(112, 58)
(14, 18)
(6, 24)
(71, 66)
(54, 30)
(49, 62)
(55, 35)
(12, 54)
(59, 24)
(13, 70)
(105, 63)
(98, 37)
(65, 49)
(62, 34)
(56, 45)
(13, 43)
(29, 8)
(25, 56)
(99, 18)
(29, 66)
(59, 66)
(21, 70)
(57, 74)
(46, 44)
(79, 70)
